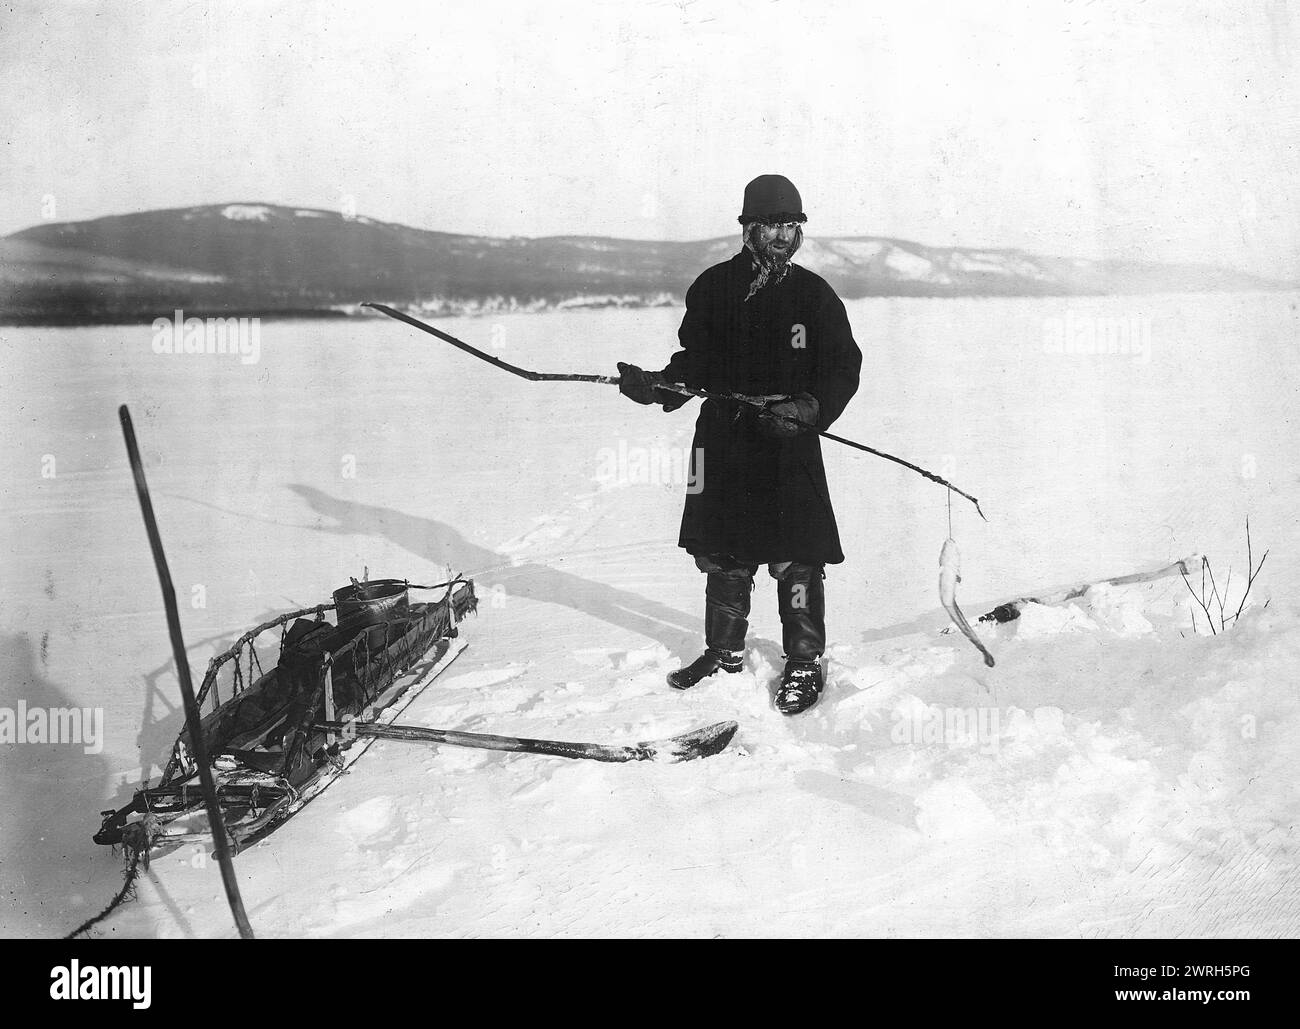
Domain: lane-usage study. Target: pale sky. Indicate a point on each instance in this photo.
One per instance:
(1158, 130)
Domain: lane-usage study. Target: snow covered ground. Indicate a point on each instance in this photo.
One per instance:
(1114, 775)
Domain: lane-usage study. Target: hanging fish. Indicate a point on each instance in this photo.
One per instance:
(949, 576)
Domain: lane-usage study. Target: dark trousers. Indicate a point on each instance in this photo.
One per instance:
(800, 598)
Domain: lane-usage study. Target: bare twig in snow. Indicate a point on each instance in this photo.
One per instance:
(1200, 599)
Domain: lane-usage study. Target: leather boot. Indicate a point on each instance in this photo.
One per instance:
(801, 600)
(726, 620)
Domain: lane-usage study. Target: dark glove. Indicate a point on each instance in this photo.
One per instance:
(639, 385)
(775, 421)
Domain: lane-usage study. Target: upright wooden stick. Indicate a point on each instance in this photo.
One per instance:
(192, 716)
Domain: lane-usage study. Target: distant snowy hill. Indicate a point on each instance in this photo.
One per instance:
(265, 259)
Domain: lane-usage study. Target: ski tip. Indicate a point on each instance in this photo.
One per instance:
(702, 742)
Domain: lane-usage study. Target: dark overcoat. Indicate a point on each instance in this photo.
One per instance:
(756, 498)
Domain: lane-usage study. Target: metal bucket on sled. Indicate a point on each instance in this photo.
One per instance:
(368, 603)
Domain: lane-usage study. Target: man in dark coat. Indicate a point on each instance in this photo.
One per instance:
(765, 327)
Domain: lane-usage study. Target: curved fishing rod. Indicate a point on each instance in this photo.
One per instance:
(674, 387)
(192, 714)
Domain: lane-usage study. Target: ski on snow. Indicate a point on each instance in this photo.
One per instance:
(702, 742)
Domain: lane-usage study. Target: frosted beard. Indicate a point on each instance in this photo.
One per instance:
(770, 265)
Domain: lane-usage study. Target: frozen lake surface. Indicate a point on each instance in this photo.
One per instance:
(1125, 762)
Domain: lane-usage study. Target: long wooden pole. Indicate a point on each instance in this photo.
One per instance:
(1010, 611)
(674, 387)
(192, 715)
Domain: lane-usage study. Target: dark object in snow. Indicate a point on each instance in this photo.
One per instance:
(137, 843)
(1010, 611)
(702, 667)
(702, 742)
(270, 757)
(726, 620)
(801, 687)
